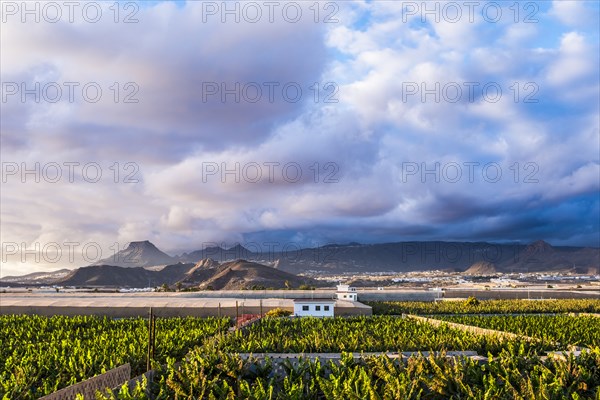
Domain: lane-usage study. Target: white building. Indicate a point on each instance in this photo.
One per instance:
(314, 307)
(346, 292)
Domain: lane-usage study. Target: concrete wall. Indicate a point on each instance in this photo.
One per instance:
(118, 306)
(312, 309)
(397, 295)
(363, 295)
(347, 296)
(472, 329)
(111, 379)
(130, 312)
(522, 294)
(262, 294)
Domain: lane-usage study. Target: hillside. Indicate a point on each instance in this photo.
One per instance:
(207, 273)
(244, 274)
(540, 256)
(115, 276)
(35, 278)
(481, 268)
(199, 273)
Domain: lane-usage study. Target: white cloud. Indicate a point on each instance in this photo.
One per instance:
(368, 136)
(573, 60)
(571, 13)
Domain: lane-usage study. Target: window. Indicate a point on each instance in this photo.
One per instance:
(344, 296)
(304, 308)
(326, 308)
(317, 308)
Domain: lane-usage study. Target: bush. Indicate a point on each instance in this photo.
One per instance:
(278, 312)
(471, 301)
(258, 287)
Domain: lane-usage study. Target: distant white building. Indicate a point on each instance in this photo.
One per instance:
(346, 292)
(504, 282)
(314, 307)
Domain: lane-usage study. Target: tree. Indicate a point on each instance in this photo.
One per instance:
(165, 287)
(178, 285)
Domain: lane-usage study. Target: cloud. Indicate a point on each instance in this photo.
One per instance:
(170, 65)
(571, 13)
(415, 144)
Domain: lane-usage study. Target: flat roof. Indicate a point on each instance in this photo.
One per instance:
(314, 300)
(164, 304)
(127, 300)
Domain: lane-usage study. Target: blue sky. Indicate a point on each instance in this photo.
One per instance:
(205, 138)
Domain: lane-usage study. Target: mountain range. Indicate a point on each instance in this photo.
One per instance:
(538, 256)
(142, 264)
(206, 274)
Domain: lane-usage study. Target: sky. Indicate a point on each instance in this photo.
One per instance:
(301, 123)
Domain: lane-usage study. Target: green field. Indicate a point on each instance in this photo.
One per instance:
(485, 307)
(219, 375)
(41, 355)
(360, 334)
(198, 358)
(565, 329)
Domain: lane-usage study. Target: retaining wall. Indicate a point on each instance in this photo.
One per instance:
(472, 329)
(113, 378)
